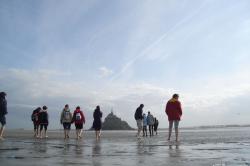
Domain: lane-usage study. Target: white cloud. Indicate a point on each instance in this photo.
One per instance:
(26, 89)
(105, 72)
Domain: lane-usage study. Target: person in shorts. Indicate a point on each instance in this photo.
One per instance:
(66, 118)
(43, 118)
(79, 120)
(138, 117)
(174, 113)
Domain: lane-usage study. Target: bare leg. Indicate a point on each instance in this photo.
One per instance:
(96, 134)
(41, 134)
(99, 135)
(80, 133)
(37, 131)
(34, 132)
(77, 133)
(65, 134)
(45, 133)
(1, 132)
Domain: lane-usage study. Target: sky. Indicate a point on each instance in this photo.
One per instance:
(119, 54)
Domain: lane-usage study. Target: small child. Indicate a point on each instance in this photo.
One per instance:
(79, 120)
(43, 119)
(145, 133)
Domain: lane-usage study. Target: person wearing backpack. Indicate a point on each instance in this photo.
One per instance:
(34, 118)
(3, 112)
(79, 120)
(66, 118)
(43, 118)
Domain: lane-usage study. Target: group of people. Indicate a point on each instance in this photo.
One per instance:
(174, 112)
(40, 118)
(152, 123)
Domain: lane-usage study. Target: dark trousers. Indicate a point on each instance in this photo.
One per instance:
(145, 133)
(151, 130)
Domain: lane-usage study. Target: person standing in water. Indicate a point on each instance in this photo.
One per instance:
(150, 120)
(145, 123)
(3, 112)
(97, 123)
(34, 118)
(156, 126)
(79, 120)
(174, 113)
(66, 118)
(138, 117)
(43, 118)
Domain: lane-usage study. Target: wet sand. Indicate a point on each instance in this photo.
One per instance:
(210, 147)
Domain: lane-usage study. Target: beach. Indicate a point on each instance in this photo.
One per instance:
(197, 147)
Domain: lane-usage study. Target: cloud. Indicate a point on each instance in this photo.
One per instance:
(157, 48)
(28, 89)
(105, 72)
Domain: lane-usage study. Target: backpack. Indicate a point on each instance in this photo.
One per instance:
(78, 116)
(34, 117)
(66, 115)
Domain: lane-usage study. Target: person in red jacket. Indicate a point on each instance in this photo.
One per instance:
(79, 120)
(174, 112)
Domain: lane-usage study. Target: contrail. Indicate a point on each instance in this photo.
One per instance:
(155, 43)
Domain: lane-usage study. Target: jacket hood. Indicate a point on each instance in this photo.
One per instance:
(173, 100)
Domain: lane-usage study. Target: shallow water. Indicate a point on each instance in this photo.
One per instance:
(211, 147)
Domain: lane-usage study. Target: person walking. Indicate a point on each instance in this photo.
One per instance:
(43, 118)
(3, 112)
(97, 123)
(138, 117)
(79, 120)
(34, 118)
(174, 113)
(66, 118)
(150, 121)
(145, 123)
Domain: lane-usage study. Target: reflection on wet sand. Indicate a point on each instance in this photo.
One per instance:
(96, 153)
(121, 148)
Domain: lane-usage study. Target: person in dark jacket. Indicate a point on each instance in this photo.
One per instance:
(43, 118)
(139, 117)
(174, 113)
(34, 118)
(3, 112)
(97, 123)
(156, 126)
